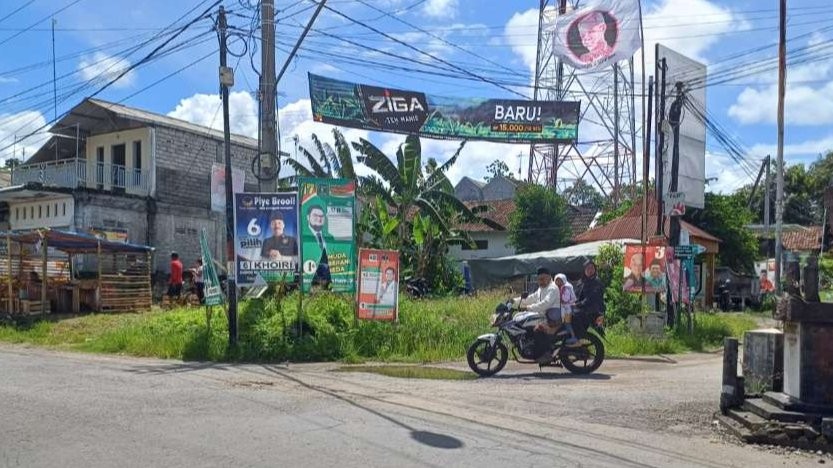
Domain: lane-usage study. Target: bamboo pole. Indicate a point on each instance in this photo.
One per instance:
(11, 277)
(98, 262)
(44, 282)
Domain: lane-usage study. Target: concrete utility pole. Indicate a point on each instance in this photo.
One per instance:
(268, 124)
(767, 186)
(675, 119)
(226, 80)
(779, 190)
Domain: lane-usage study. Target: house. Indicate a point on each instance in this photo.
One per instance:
(797, 239)
(498, 188)
(132, 174)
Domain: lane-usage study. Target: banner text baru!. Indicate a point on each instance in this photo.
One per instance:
(410, 112)
(328, 244)
(266, 237)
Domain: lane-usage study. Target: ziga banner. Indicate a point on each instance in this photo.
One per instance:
(599, 34)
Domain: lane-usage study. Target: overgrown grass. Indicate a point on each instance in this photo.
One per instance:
(428, 331)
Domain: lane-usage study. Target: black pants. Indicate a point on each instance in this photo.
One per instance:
(542, 342)
(201, 292)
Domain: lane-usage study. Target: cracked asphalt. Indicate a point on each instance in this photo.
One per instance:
(79, 410)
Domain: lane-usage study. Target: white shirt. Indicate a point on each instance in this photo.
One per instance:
(387, 295)
(542, 299)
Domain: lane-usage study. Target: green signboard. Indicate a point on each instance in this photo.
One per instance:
(327, 226)
(213, 291)
(411, 112)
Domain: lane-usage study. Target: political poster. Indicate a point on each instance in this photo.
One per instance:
(411, 112)
(327, 226)
(645, 268)
(378, 297)
(213, 291)
(218, 185)
(265, 237)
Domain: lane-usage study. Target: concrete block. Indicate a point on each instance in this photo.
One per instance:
(652, 324)
(763, 361)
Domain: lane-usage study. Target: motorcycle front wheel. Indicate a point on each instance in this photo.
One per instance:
(487, 360)
(585, 358)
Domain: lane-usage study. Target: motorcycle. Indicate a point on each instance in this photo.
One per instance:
(416, 287)
(488, 354)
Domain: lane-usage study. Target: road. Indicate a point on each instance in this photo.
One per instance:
(77, 410)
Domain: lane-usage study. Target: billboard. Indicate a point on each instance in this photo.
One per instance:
(411, 112)
(378, 297)
(327, 226)
(692, 172)
(110, 234)
(218, 185)
(265, 237)
(645, 268)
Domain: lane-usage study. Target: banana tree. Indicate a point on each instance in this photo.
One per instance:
(325, 162)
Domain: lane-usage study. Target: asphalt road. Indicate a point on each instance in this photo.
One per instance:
(76, 410)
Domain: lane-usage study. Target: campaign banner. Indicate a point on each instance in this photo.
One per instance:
(645, 268)
(328, 244)
(411, 112)
(213, 292)
(378, 297)
(265, 237)
(110, 234)
(218, 185)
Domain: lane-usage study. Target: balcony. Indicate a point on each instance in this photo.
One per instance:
(73, 173)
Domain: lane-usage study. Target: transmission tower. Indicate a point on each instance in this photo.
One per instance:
(604, 156)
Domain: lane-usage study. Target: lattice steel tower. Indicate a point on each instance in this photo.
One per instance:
(604, 156)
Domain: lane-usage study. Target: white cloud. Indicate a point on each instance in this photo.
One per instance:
(441, 8)
(102, 66)
(7, 80)
(205, 109)
(13, 126)
(809, 148)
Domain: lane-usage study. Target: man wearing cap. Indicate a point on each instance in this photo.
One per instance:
(279, 246)
(546, 300)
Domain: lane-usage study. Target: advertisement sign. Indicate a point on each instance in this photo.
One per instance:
(674, 204)
(218, 185)
(679, 283)
(645, 268)
(766, 275)
(328, 244)
(399, 111)
(265, 237)
(110, 234)
(378, 297)
(213, 292)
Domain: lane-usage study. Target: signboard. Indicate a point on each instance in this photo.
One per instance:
(684, 251)
(328, 244)
(110, 234)
(644, 269)
(218, 185)
(265, 237)
(378, 297)
(408, 112)
(213, 292)
(674, 204)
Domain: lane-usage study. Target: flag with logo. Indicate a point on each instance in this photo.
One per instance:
(598, 34)
(213, 291)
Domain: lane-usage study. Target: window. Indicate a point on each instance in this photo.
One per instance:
(17, 214)
(48, 210)
(65, 209)
(56, 209)
(31, 212)
(479, 245)
(99, 170)
(137, 155)
(40, 211)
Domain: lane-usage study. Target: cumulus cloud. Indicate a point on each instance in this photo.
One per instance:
(14, 126)
(205, 109)
(102, 66)
(441, 8)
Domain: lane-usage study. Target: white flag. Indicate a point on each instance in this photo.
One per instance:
(599, 34)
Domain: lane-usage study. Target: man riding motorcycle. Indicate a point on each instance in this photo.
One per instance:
(546, 300)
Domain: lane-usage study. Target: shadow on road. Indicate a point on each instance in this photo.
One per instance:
(177, 368)
(658, 359)
(543, 375)
(431, 439)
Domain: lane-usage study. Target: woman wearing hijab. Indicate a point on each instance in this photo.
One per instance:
(568, 299)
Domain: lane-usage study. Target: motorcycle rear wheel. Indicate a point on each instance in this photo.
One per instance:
(583, 359)
(482, 352)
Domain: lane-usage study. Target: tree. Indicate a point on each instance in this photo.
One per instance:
(326, 163)
(498, 168)
(539, 221)
(726, 217)
(13, 163)
(583, 194)
(611, 270)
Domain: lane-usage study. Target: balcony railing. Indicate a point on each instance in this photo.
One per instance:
(73, 173)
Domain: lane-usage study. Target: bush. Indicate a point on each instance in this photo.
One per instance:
(620, 304)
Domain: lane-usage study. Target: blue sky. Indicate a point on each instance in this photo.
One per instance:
(94, 39)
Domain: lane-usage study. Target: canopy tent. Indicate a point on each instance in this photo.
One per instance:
(490, 272)
(75, 243)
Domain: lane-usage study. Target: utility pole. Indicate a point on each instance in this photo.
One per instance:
(767, 185)
(779, 190)
(226, 80)
(674, 119)
(268, 124)
(54, 84)
(660, 150)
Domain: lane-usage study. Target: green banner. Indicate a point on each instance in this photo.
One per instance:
(213, 291)
(327, 226)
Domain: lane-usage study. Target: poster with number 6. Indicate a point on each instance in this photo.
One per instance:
(265, 237)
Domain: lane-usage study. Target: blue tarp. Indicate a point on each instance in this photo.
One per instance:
(74, 242)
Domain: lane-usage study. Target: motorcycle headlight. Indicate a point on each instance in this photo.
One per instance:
(495, 318)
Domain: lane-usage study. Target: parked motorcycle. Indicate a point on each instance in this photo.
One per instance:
(416, 287)
(489, 353)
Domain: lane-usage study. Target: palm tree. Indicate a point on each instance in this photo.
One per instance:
(328, 162)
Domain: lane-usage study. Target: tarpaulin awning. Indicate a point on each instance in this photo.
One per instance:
(568, 260)
(75, 243)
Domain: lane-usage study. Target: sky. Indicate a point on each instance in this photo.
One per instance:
(97, 41)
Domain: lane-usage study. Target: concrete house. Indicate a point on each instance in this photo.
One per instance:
(141, 176)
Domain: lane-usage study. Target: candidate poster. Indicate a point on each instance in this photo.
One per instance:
(645, 268)
(218, 185)
(411, 112)
(213, 292)
(378, 297)
(328, 244)
(265, 237)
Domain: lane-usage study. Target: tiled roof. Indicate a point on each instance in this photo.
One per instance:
(808, 238)
(498, 211)
(580, 219)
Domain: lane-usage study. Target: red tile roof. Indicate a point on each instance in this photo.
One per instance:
(808, 238)
(498, 211)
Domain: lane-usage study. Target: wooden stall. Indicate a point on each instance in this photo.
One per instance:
(39, 278)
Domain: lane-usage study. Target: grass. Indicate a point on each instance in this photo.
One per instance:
(412, 372)
(428, 331)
